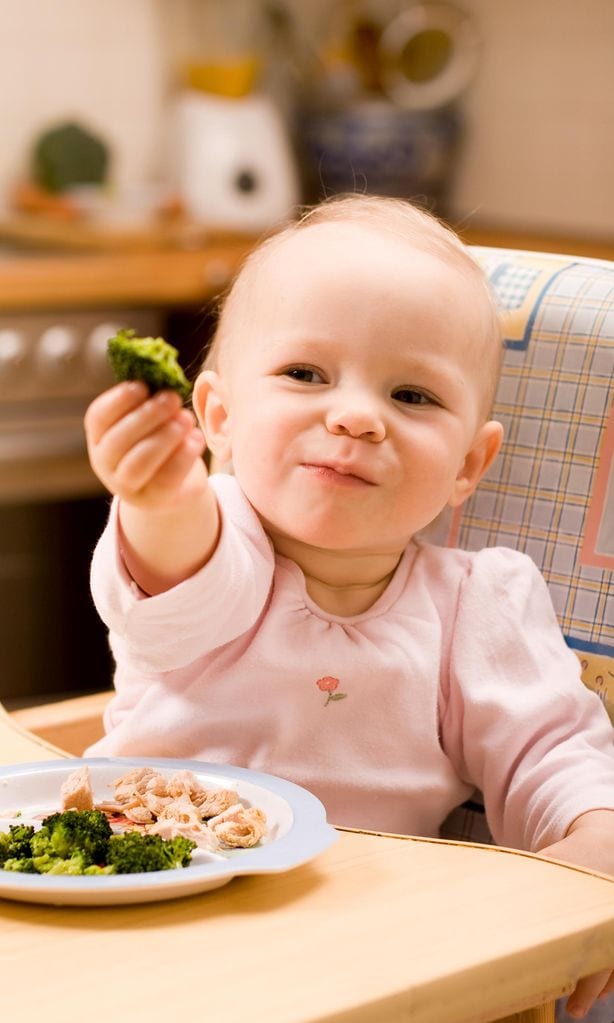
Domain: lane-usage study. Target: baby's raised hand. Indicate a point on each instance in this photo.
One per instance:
(146, 450)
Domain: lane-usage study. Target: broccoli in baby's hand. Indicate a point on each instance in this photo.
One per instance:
(150, 359)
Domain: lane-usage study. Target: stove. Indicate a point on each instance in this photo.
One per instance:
(51, 367)
(52, 507)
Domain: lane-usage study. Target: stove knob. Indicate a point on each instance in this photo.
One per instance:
(57, 351)
(13, 351)
(96, 351)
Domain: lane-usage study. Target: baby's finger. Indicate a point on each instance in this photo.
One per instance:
(111, 406)
(609, 988)
(142, 460)
(142, 421)
(172, 473)
(586, 992)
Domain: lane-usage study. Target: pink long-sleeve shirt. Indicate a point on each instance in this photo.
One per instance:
(457, 678)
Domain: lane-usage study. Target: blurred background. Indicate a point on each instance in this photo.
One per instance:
(147, 144)
(537, 109)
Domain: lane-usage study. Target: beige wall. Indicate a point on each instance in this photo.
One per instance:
(100, 61)
(540, 114)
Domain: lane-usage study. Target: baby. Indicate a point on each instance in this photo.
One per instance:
(288, 617)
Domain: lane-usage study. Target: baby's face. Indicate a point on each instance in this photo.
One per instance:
(353, 385)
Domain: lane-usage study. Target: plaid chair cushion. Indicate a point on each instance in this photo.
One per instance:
(551, 491)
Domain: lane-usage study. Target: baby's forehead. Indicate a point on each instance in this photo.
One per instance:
(355, 237)
(328, 256)
(337, 253)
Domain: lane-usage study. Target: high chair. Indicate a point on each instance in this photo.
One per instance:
(550, 493)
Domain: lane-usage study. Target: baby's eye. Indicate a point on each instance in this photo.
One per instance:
(408, 396)
(305, 374)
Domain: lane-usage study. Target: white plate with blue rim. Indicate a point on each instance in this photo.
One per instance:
(297, 831)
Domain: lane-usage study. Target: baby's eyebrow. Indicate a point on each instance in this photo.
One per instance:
(304, 346)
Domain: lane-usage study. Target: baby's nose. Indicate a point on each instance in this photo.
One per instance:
(357, 419)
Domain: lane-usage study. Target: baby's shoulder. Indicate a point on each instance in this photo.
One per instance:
(480, 587)
(498, 565)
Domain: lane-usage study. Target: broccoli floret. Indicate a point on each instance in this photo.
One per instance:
(77, 863)
(74, 864)
(95, 869)
(16, 842)
(150, 359)
(84, 831)
(178, 851)
(134, 853)
(81, 842)
(25, 865)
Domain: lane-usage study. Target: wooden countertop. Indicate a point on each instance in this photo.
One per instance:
(172, 276)
(149, 277)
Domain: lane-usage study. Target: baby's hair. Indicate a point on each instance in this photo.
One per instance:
(398, 217)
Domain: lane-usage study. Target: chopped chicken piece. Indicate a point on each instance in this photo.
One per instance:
(183, 783)
(199, 833)
(214, 801)
(139, 814)
(108, 807)
(76, 791)
(179, 804)
(155, 803)
(181, 810)
(132, 783)
(239, 827)
(157, 785)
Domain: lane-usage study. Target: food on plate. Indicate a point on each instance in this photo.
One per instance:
(179, 805)
(76, 792)
(154, 822)
(73, 831)
(237, 827)
(72, 842)
(150, 359)
(83, 842)
(15, 845)
(134, 852)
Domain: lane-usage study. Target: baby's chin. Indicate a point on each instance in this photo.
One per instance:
(329, 537)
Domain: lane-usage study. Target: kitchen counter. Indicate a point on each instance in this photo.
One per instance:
(36, 280)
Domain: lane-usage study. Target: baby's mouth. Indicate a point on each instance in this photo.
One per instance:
(343, 475)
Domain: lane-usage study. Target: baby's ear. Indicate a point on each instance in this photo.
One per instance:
(479, 458)
(211, 406)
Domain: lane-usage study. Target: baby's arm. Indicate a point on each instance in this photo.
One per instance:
(589, 842)
(147, 451)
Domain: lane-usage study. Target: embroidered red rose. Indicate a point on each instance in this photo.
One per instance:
(328, 684)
